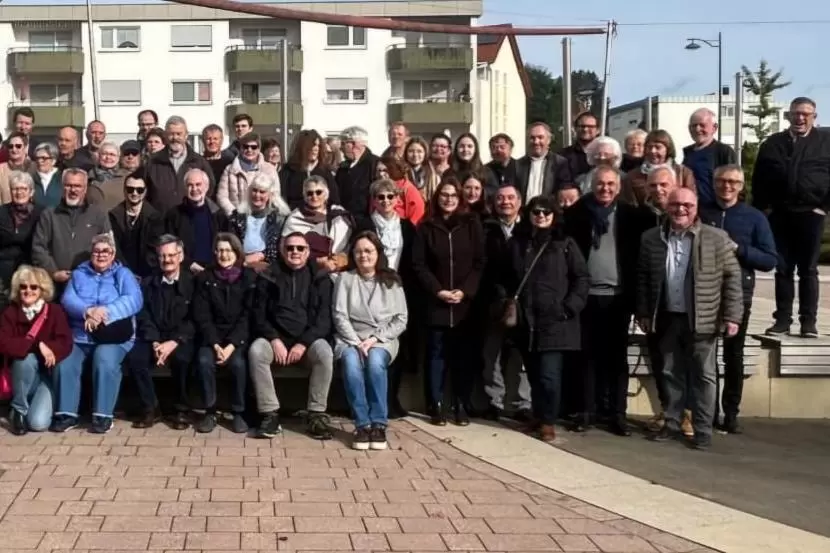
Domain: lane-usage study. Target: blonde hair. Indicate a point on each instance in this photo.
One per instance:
(26, 274)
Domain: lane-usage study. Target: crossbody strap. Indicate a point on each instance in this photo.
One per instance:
(38, 324)
(529, 269)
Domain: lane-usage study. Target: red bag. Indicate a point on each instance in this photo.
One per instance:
(6, 371)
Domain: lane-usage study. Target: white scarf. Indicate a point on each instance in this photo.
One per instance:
(389, 232)
(32, 311)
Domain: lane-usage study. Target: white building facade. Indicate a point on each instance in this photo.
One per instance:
(672, 113)
(208, 66)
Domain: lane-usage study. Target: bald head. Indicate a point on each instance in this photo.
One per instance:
(67, 141)
(661, 182)
(682, 208)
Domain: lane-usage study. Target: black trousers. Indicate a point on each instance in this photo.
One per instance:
(655, 356)
(733, 367)
(142, 362)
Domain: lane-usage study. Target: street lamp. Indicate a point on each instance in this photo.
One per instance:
(694, 44)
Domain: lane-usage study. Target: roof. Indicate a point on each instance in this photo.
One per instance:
(489, 46)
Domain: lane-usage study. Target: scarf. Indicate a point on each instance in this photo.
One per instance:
(46, 178)
(31, 312)
(247, 166)
(389, 232)
(261, 213)
(599, 218)
(646, 168)
(20, 213)
(228, 274)
(103, 175)
(314, 217)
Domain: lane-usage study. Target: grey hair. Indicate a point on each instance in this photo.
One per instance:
(263, 181)
(175, 120)
(49, 148)
(197, 171)
(355, 134)
(635, 133)
(110, 144)
(315, 179)
(384, 185)
(104, 238)
(664, 169)
(71, 171)
(602, 170)
(540, 124)
(18, 177)
(592, 149)
(704, 111)
(727, 169)
(166, 239)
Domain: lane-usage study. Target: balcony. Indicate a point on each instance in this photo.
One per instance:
(434, 112)
(265, 112)
(63, 60)
(429, 58)
(259, 59)
(53, 114)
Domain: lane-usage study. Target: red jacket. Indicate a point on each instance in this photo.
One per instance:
(411, 206)
(54, 333)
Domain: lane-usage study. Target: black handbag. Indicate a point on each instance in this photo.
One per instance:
(115, 333)
(510, 308)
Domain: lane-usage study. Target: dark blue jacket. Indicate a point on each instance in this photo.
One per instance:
(749, 229)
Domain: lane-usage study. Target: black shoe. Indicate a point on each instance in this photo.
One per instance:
(63, 423)
(396, 411)
(206, 424)
(664, 435)
(523, 416)
(147, 419)
(101, 425)
(780, 328)
(619, 427)
(269, 427)
(437, 416)
(361, 439)
(492, 413)
(238, 424)
(809, 330)
(318, 426)
(701, 442)
(179, 421)
(461, 417)
(730, 425)
(580, 427)
(17, 423)
(377, 438)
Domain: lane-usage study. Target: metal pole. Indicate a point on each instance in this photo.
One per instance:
(720, 82)
(739, 116)
(93, 61)
(284, 94)
(648, 114)
(567, 96)
(609, 38)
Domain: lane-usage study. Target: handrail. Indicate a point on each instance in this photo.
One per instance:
(428, 45)
(255, 47)
(53, 103)
(53, 48)
(264, 101)
(460, 99)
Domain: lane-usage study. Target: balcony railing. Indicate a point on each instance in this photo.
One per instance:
(402, 58)
(431, 110)
(267, 111)
(45, 60)
(57, 113)
(247, 58)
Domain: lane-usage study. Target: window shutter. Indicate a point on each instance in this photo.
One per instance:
(191, 36)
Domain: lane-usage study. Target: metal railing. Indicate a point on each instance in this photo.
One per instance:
(46, 104)
(426, 45)
(457, 99)
(44, 48)
(258, 101)
(258, 48)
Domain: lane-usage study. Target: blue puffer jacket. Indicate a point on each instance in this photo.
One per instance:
(116, 289)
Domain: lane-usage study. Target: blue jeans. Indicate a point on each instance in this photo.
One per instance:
(106, 378)
(365, 380)
(206, 374)
(32, 389)
(544, 371)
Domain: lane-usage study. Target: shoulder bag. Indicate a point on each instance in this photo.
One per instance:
(510, 313)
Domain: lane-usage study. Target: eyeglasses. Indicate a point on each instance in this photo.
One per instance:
(382, 197)
(293, 248)
(16, 146)
(102, 252)
(169, 255)
(318, 192)
(250, 147)
(135, 189)
(730, 182)
(32, 287)
(684, 205)
(541, 211)
(42, 158)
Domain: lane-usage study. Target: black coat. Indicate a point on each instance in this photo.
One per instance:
(222, 311)
(165, 185)
(497, 251)
(177, 222)
(408, 234)
(629, 225)
(353, 184)
(505, 174)
(15, 243)
(555, 292)
(137, 247)
(557, 174)
(577, 159)
(449, 255)
(165, 317)
(291, 185)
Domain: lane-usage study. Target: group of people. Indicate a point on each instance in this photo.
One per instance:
(425, 258)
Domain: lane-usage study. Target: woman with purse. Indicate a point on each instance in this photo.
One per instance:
(34, 336)
(101, 301)
(547, 281)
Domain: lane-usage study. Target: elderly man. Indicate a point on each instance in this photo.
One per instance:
(165, 170)
(216, 157)
(791, 184)
(355, 176)
(502, 165)
(398, 136)
(96, 135)
(293, 318)
(749, 229)
(68, 153)
(706, 154)
(608, 235)
(136, 225)
(63, 234)
(541, 172)
(688, 292)
(196, 220)
(130, 155)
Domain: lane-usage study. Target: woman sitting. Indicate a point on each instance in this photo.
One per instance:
(34, 336)
(410, 204)
(222, 304)
(258, 221)
(101, 301)
(369, 315)
(17, 226)
(233, 186)
(327, 229)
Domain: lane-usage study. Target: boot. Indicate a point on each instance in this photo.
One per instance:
(547, 433)
(437, 416)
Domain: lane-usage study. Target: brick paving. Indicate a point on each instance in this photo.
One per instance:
(164, 490)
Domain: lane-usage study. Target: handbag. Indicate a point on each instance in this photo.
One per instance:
(510, 313)
(116, 333)
(6, 388)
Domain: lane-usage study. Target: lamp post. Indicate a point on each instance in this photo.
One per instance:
(694, 44)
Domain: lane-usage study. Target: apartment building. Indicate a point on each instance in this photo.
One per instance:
(209, 65)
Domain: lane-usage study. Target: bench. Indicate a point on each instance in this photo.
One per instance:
(799, 356)
(639, 364)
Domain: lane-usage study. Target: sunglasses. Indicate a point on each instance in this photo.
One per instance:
(135, 189)
(131, 154)
(382, 197)
(32, 287)
(16, 146)
(317, 192)
(250, 147)
(539, 211)
(298, 249)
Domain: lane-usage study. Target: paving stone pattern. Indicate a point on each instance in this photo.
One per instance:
(164, 490)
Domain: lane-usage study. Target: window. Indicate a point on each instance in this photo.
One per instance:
(192, 92)
(50, 40)
(120, 38)
(51, 94)
(346, 91)
(191, 37)
(121, 92)
(431, 91)
(262, 38)
(261, 93)
(341, 36)
(727, 111)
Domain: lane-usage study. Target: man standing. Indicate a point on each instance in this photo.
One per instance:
(791, 183)
(398, 137)
(688, 292)
(96, 134)
(147, 119)
(242, 125)
(706, 154)
(135, 226)
(357, 173)
(69, 155)
(587, 129)
(541, 172)
(24, 122)
(502, 165)
(749, 229)
(218, 159)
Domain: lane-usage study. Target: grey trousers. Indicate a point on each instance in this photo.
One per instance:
(690, 373)
(319, 358)
(503, 362)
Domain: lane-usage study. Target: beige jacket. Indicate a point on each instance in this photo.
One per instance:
(233, 184)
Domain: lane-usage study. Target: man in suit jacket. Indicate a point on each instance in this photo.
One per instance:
(541, 171)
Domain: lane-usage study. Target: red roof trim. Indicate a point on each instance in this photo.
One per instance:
(487, 53)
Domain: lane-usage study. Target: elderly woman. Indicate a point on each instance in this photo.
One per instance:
(106, 179)
(34, 336)
(369, 315)
(47, 178)
(102, 299)
(154, 141)
(421, 173)
(327, 228)
(222, 304)
(659, 152)
(410, 204)
(18, 161)
(17, 226)
(304, 162)
(258, 223)
(635, 146)
(233, 186)
(272, 152)
(602, 151)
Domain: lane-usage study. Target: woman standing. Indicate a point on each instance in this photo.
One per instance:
(440, 150)
(272, 152)
(603, 151)
(154, 141)
(18, 161)
(410, 204)
(549, 279)
(448, 259)
(466, 159)
(258, 222)
(659, 152)
(421, 172)
(34, 336)
(17, 226)
(369, 315)
(233, 186)
(304, 162)
(473, 189)
(47, 178)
